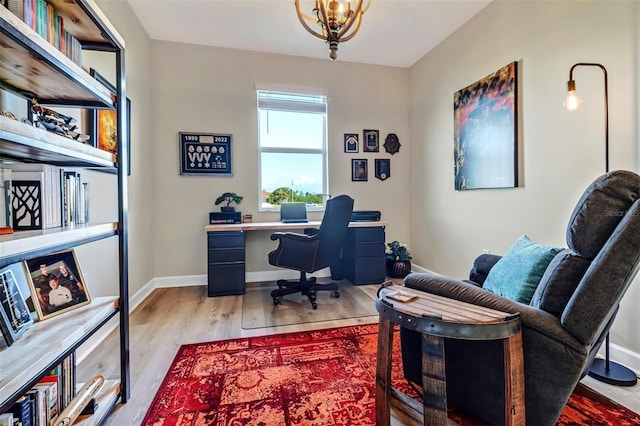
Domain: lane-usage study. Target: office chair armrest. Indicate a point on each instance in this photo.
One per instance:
(290, 236)
(534, 319)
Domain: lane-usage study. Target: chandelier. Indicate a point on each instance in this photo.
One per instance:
(339, 22)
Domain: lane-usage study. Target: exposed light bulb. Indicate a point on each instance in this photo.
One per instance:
(572, 101)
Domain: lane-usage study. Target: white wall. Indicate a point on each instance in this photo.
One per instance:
(99, 260)
(206, 89)
(561, 152)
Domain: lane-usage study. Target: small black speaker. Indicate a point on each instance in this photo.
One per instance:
(365, 216)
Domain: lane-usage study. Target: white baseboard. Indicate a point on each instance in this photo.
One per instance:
(617, 353)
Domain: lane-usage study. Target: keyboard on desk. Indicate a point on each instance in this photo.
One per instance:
(295, 221)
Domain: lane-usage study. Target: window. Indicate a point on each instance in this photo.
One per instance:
(293, 148)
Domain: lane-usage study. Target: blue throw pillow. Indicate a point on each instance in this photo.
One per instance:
(517, 274)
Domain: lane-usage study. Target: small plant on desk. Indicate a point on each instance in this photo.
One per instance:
(228, 197)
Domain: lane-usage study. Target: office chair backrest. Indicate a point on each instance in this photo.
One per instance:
(333, 229)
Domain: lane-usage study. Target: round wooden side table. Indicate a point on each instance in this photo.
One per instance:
(437, 318)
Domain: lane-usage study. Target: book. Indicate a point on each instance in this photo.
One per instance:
(38, 395)
(401, 296)
(17, 8)
(21, 410)
(54, 404)
(6, 419)
(48, 393)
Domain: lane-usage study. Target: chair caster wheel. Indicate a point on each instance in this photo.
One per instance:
(276, 301)
(336, 294)
(314, 305)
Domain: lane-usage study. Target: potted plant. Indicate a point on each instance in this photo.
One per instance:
(228, 197)
(398, 260)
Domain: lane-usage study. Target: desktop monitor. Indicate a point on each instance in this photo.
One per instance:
(293, 212)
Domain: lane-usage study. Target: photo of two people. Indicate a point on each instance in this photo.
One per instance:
(56, 284)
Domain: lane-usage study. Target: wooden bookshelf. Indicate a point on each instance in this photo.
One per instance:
(32, 68)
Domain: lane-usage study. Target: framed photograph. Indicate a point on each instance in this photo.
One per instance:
(371, 141)
(485, 132)
(15, 317)
(351, 142)
(56, 283)
(383, 168)
(359, 170)
(103, 123)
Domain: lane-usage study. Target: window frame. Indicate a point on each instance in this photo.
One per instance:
(295, 107)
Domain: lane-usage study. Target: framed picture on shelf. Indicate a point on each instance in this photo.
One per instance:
(351, 142)
(371, 141)
(359, 170)
(56, 283)
(15, 317)
(103, 123)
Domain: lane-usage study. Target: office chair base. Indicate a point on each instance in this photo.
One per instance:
(307, 287)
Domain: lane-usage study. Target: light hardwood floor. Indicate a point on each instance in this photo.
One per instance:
(171, 317)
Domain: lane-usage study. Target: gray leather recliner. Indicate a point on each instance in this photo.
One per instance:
(565, 323)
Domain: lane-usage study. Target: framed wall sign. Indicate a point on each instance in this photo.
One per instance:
(371, 142)
(350, 142)
(383, 168)
(205, 154)
(359, 170)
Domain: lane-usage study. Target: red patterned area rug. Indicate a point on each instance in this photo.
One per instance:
(321, 377)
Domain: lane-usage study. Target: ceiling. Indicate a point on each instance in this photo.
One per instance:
(393, 32)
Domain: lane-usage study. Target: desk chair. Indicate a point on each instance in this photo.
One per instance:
(312, 251)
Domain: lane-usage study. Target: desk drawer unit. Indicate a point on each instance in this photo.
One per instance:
(225, 263)
(363, 259)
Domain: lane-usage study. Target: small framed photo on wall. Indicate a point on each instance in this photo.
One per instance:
(351, 142)
(56, 283)
(371, 142)
(359, 170)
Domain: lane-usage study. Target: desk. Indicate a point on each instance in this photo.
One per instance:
(438, 317)
(362, 260)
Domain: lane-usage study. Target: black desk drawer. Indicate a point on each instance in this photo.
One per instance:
(226, 255)
(225, 239)
(226, 279)
(365, 235)
(365, 270)
(363, 249)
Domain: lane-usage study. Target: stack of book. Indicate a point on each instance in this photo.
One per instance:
(75, 199)
(41, 405)
(44, 19)
(46, 196)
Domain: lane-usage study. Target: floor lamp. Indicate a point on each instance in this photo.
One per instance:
(603, 370)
